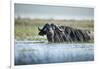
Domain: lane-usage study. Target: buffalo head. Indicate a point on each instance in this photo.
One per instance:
(48, 31)
(45, 29)
(52, 31)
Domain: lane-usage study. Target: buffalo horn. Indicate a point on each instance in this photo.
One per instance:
(39, 29)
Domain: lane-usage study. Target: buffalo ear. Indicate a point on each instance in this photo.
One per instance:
(61, 30)
(39, 29)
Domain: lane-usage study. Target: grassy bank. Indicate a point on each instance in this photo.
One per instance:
(27, 29)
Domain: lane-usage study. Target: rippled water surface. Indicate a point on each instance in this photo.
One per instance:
(42, 53)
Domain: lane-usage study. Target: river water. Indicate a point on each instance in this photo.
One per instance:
(43, 53)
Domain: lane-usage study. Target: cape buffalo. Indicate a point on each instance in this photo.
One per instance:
(56, 33)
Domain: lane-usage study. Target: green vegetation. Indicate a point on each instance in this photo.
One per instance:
(27, 29)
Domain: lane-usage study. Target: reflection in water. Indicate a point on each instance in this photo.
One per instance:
(42, 53)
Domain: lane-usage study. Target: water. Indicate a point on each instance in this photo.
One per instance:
(42, 53)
